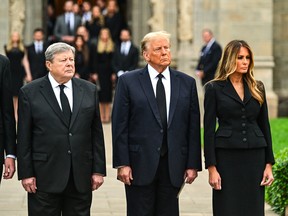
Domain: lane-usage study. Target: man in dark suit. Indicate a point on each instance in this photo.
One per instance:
(35, 54)
(126, 55)
(156, 131)
(61, 155)
(7, 121)
(66, 24)
(210, 55)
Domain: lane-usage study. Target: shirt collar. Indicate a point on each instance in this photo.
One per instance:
(153, 73)
(55, 84)
(209, 44)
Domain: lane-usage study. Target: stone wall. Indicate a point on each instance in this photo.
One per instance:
(280, 52)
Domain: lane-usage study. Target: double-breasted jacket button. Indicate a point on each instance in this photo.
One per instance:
(69, 152)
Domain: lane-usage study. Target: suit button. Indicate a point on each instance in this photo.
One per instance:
(243, 116)
(243, 109)
(161, 131)
(70, 134)
(243, 132)
(69, 152)
(158, 149)
(244, 139)
(243, 124)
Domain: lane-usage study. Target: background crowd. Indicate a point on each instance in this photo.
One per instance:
(99, 33)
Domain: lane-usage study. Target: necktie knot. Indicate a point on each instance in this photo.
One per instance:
(62, 87)
(160, 76)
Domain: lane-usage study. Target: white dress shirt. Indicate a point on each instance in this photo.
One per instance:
(166, 82)
(125, 47)
(67, 90)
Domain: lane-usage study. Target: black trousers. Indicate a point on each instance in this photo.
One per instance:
(157, 199)
(68, 203)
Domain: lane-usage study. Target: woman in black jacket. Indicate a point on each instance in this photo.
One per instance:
(238, 152)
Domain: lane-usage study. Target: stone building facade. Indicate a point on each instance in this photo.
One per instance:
(262, 23)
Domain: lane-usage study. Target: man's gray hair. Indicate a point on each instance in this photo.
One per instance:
(57, 48)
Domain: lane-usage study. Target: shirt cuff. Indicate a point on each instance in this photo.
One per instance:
(11, 156)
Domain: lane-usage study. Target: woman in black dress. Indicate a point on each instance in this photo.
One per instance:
(15, 52)
(82, 58)
(104, 73)
(238, 154)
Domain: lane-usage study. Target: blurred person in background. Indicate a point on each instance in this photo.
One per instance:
(126, 55)
(15, 51)
(209, 57)
(95, 24)
(103, 72)
(35, 54)
(66, 24)
(82, 58)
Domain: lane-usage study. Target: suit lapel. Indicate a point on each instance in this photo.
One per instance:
(247, 93)
(231, 92)
(78, 94)
(48, 93)
(147, 88)
(175, 86)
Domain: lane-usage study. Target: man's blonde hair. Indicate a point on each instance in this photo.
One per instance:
(152, 35)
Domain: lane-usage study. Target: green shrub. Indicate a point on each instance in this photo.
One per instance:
(277, 193)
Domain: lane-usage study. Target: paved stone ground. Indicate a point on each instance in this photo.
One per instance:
(109, 200)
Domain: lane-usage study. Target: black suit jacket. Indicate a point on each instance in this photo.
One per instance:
(125, 62)
(208, 62)
(137, 130)
(242, 124)
(7, 121)
(37, 61)
(48, 148)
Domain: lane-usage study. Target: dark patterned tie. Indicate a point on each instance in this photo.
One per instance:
(65, 104)
(161, 102)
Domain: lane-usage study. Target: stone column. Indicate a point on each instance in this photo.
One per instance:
(17, 15)
(34, 18)
(280, 51)
(4, 23)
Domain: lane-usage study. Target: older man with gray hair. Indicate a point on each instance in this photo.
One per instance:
(61, 154)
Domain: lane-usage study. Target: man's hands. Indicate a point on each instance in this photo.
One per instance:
(29, 184)
(9, 168)
(190, 175)
(124, 174)
(96, 181)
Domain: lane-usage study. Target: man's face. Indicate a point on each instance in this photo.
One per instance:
(158, 54)
(125, 35)
(206, 37)
(38, 36)
(62, 67)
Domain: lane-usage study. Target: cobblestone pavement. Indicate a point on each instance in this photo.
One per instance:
(109, 199)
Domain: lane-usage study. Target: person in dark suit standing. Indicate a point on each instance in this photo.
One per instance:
(35, 54)
(61, 154)
(66, 24)
(209, 57)
(156, 131)
(238, 155)
(126, 54)
(7, 121)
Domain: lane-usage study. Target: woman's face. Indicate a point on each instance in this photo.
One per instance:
(79, 42)
(243, 60)
(96, 12)
(104, 35)
(15, 37)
